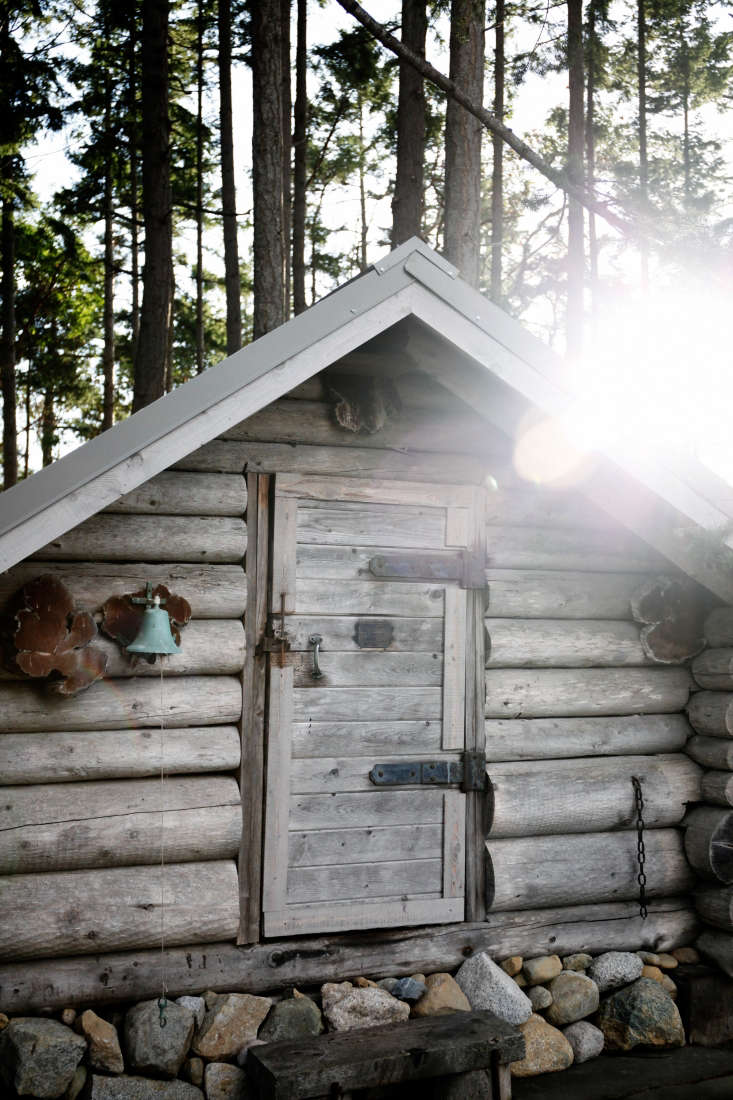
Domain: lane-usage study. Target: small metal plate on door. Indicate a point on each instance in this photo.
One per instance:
(373, 633)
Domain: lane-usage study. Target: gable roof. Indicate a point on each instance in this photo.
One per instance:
(684, 512)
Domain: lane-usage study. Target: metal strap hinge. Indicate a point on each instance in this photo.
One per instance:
(469, 773)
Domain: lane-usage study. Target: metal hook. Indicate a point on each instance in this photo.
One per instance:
(316, 640)
(162, 1004)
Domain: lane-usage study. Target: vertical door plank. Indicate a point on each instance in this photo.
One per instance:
(454, 668)
(283, 555)
(476, 801)
(457, 526)
(454, 844)
(277, 813)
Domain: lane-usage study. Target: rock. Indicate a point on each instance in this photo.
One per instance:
(364, 1008)
(512, 965)
(520, 980)
(229, 1025)
(547, 1049)
(540, 997)
(418, 978)
(614, 969)
(668, 984)
(210, 998)
(643, 1014)
(296, 1018)
(574, 996)
(407, 989)
(365, 983)
(104, 1044)
(141, 1088)
(78, 1081)
(68, 1016)
(543, 969)
(333, 992)
(4, 1021)
(242, 1055)
(578, 961)
(585, 1039)
(652, 972)
(387, 984)
(150, 1048)
(687, 955)
(487, 986)
(443, 995)
(193, 1071)
(649, 958)
(39, 1056)
(224, 1082)
(196, 1005)
(667, 962)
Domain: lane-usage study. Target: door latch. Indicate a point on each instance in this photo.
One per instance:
(469, 773)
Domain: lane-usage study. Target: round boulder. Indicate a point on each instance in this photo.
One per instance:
(574, 996)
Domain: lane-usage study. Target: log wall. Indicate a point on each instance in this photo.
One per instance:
(573, 709)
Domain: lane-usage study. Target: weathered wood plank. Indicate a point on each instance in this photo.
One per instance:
(717, 946)
(107, 537)
(711, 752)
(367, 668)
(713, 669)
(213, 591)
(306, 487)
(363, 704)
(453, 662)
(528, 505)
(115, 754)
(591, 794)
(376, 739)
(398, 807)
(114, 704)
(552, 643)
(174, 493)
(372, 525)
(379, 912)
(208, 647)
(556, 548)
(538, 594)
(541, 871)
(327, 847)
(709, 842)
(117, 909)
(404, 635)
(538, 693)
(277, 800)
(717, 787)
(716, 907)
(413, 599)
(548, 738)
(364, 881)
(134, 975)
(122, 840)
(711, 713)
(339, 774)
(719, 627)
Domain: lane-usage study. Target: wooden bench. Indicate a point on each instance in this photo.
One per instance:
(463, 1056)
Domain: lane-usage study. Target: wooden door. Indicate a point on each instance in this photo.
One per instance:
(341, 853)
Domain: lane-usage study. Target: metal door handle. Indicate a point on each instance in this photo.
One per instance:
(316, 640)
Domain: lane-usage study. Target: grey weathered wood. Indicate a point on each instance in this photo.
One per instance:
(717, 946)
(326, 775)
(377, 739)
(114, 704)
(406, 635)
(311, 491)
(547, 594)
(107, 537)
(376, 525)
(548, 738)
(719, 627)
(537, 872)
(711, 712)
(377, 1056)
(115, 754)
(526, 505)
(477, 802)
(536, 693)
(363, 704)
(366, 668)
(421, 805)
(213, 591)
(590, 794)
(717, 787)
(713, 669)
(711, 752)
(413, 599)
(135, 975)
(174, 493)
(365, 881)
(552, 643)
(208, 647)
(557, 548)
(327, 847)
(117, 909)
(716, 907)
(709, 842)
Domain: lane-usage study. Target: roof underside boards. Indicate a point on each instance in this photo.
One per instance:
(464, 341)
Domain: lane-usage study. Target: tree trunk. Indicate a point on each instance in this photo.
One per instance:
(153, 350)
(408, 198)
(7, 346)
(463, 134)
(108, 350)
(576, 136)
(300, 143)
(200, 188)
(134, 207)
(228, 192)
(643, 154)
(497, 174)
(267, 166)
(48, 426)
(590, 143)
(686, 159)
(287, 110)
(362, 191)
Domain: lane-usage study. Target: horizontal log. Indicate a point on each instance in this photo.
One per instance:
(116, 754)
(552, 643)
(590, 794)
(326, 739)
(114, 704)
(548, 738)
(106, 537)
(368, 668)
(213, 591)
(117, 909)
(540, 871)
(709, 842)
(716, 907)
(123, 840)
(717, 946)
(711, 752)
(310, 960)
(174, 493)
(718, 628)
(232, 457)
(711, 712)
(538, 594)
(538, 547)
(717, 787)
(208, 647)
(713, 669)
(538, 693)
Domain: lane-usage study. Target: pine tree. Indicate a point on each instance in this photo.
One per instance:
(408, 198)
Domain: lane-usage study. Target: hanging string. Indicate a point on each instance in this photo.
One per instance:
(162, 1002)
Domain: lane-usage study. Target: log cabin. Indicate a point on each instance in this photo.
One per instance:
(429, 648)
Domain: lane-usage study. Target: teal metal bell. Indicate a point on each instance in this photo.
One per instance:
(154, 635)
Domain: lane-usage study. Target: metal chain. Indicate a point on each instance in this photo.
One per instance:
(640, 850)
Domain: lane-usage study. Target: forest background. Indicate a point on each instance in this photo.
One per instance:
(226, 164)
